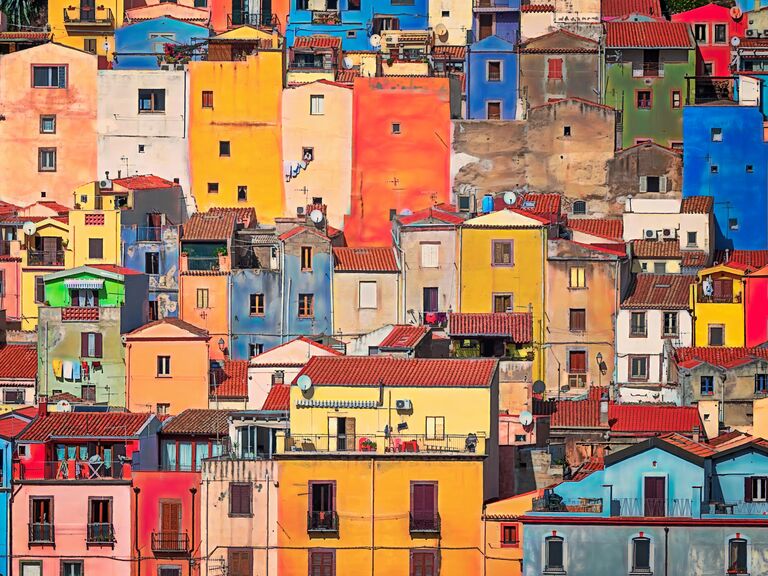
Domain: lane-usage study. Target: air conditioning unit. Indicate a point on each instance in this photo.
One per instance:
(403, 405)
(649, 234)
(300, 211)
(105, 184)
(668, 233)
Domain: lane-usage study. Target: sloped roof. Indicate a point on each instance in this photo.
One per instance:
(439, 214)
(720, 356)
(696, 448)
(278, 399)
(389, 371)
(697, 205)
(659, 292)
(194, 421)
(15, 36)
(115, 269)
(655, 34)
(263, 359)
(85, 425)
(299, 230)
(656, 249)
(18, 361)
(536, 203)
(537, 8)
(561, 39)
(144, 182)
(231, 380)
(217, 223)
(10, 426)
(317, 41)
(515, 326)
(446, 52)
(178, 323)
(374, 259)
(608, 228)
(694, 258)
(404, 337)
(619, 8)
(750, 258)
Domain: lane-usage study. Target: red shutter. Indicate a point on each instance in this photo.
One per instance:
(577, 361)
(97, 345)
(748, 489)
(84, 344)
(423, 501)
(555, 71)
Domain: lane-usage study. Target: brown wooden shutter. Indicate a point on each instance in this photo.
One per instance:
(98, 344)
(577, 361)
(84, 344)
(748, 489)
(170, 517)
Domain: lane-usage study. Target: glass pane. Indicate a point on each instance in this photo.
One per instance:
(185, 456)
(169, 455)
(201, 452)
(554, 553)
(642, 553)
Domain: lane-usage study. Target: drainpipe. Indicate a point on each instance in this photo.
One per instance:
(136, 491)
(666, 550)
(10, 516)
(267, 546)
(330, 283)
(282, 292)
(485, 540)
(192, 491)
(373, 515)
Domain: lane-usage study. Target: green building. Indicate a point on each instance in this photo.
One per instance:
(646, 64)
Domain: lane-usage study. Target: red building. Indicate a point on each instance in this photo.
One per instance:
(401, 153)
(713, 26)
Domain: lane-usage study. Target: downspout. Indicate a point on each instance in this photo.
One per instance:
(461, 265)
(666, 550)
(373, 515)
(267, 546)
(10, 518)
(192, 491)
(128, 376)
(207, 541)
(282, 292)
(401, 288)
(136, 491)
(229, 347)
(485, 541)
(544, 250)
(330, 294)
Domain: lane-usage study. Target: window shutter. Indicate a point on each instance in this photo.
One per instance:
(62, 76)
(84, 344)
(748, 489)
(431, 426)
(643, 183)
(663, 184)
(97, 345)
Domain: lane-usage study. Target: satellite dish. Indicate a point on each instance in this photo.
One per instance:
(316, 216)
(735, 41)
(510, 198)
(406, 212)
(526, 418)
(375, 40)
(347, 62)
(29, 228)
(539, 387)
(304, 382)
(441, 30)
(63, 406)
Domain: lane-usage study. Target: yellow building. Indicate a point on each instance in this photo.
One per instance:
(234, 127)
(502, 260)
(86, 24)
(387, 466)
(503, 534)
(717, 306)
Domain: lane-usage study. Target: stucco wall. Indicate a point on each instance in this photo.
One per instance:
(350, 319)
(416, 277)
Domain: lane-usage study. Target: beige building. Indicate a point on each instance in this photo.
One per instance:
(366, 290)
(450, 20)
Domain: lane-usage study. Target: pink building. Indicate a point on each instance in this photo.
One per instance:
(756, 307)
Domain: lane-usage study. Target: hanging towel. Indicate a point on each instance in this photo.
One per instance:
(67, 370)
(85, 369)
(75, 370)
(56, 368)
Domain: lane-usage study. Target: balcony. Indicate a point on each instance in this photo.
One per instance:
(260, 20)
(80, 314)
(326, 17)
(707, 89)
(401, 445)
(41, 534)
(649, 70)
(45, 257)
(576, 505)
(717, 298)
(100, 533)
(83, 470)
(495, 5)
(424, 525)
(652, 507)
(435, 319)
(735, 508)
(90, 17)
(170, 542)
(149, 234)
(323, 522)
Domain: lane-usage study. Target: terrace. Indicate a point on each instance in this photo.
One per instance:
(393, 445)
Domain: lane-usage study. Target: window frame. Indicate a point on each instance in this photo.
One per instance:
(306, 253)
(638, 314)
(225, 148)
(576, 313)
(317, 110)
(634, 568)
(637, 100)
(375, 297)
(163, 365)
(676, 99)
(511, 244)
(711, 380)
(313, 552)
(555, 67)
(152, 93)
(676, 315)
(709, 335)
(75, 561)
(98, 345)
(96, 245)
(306, 300)
(416, 552)
(581, 278)
(497, 78)
(206, 99)
(58, 86)
(242, 193)
(724, 28)
(488, 104)
(433, 255)
(435, 420)
(39, 289)
(497, 295)
(729, 567)
(256, 304)
(549, 568)
(509, 543)
(213, 187)
(761, 388)
(241, 485)
(630, 372)
(202, 295)
(43, 118)
(47, 150)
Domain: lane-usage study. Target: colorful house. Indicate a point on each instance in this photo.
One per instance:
(225, 127)
(646, 62)
(86, 25)
(313, 58)
(492, 76)
(351, 495)
(414, 174)
(717, 306)
(504, 534)
(497, 18)
(228, 385)
(190, 11)
(94, 237)
(451, 21)
(49, 102)
(755, 310)
(141, 44)
(166, 367)
(18, 376)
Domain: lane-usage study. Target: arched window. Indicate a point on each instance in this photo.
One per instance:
(555, 554)
(641, 554)
(737, 556)
(579, 207)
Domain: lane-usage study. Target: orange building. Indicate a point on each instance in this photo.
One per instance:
(264, 14)
(166, 365)
(48, 131)
(401, 153)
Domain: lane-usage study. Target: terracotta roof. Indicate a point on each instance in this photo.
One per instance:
(696, 448)
(317, 41)
(446, 52)
(656, 249)
(9, 36)
(144, 182)
(298, 230)
(71, 398)
(618, 8)
(697, 205)
(204, 273)
(278, 398)
(656, 34)
(750, 258)
(231, 380)
(639, 419)
(18, 361)
(609, 228)
(659, 292)
(515, 326)
(534, 203)
(537, 8)
(607, 248)
(116, 269)
(576, 414)
(10, 427)
(217, 223)
(85, 425)
(389, 371)
(379, 259)
(28, 412)
(404, 336)
(587, 467)
(753, 42)
(694, 258)
(258, 360)
(529, 46)
(347, 76)
(198, 421)
(440, 214)
(173, 322)
(719, 356)
(79, 314)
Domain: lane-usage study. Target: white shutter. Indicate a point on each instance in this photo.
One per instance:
(367, 295)
(643, 183)
(663, 184)
(430, 255)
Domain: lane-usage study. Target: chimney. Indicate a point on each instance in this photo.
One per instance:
(118, 174)
(42, 407)
(604, 409)
(696, 434)
(175, 180)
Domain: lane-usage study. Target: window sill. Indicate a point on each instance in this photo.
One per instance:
(670, 335)
(240, 515)
(259, 315)
(577, 287)
(164, 376)
(638, 335)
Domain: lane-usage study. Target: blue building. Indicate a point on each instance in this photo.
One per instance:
(492, 80)
(137, 46)
(668, 505)
(725, 156)
(6, 453)
(496, 18)
(354, 21)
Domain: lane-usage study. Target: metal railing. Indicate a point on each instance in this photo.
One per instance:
(574, 505)
(649, 69)
(170, 542)
(100, 533)
(424, 523)
(322, 521)
(331, 17)
(465, 444)
(652, 507)
(90, 16)
(736, 508)
(260, 19)
(719, 299)
(41, 533)
(83, 470)
(149, 234)
(507, 4)
(324, 64)
(45, 257)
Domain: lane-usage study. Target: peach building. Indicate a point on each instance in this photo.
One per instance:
(166, 367)
(48, 135)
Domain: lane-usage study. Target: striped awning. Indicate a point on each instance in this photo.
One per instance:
(84, 284)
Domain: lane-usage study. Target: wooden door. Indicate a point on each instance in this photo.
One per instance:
(349, 433)
(655, 496)
(50, 251)
(240, 562)
(485, 26)
(170, 518)
(87, 10)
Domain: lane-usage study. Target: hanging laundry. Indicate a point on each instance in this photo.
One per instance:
(67, 370)
(56, 364)
(76, 371)
(96, 365)
(85, 369)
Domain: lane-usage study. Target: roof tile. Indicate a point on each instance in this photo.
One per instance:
(375, 259)
(217, 223)
(198, 421)
(446, 52)
(694, 258)
(317, 41)
(537, 8)
(177, 322)
(231, 380)
(697, 205)
(18, 361)
(85, 425)
(517, 326)
(608, 228)
(659, 292)
(723, 357)
(278, 398)
(619, 8)
(656, 34)
(749, 258)
(404, 336)
(144, 182)
(656, 249)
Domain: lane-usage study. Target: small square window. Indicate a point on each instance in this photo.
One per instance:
(714, 169)
(677, 101)
(48, 124)
(151, 101)
(733, 223)
(351, 33)
(163, 365)
(224, 148)
(317, 105)
(308, 154)
(46, 159)
(717, 134)
(395, 128)
(89, 45)
(207, 99)
(242, 193)
(445, 14)
(750, 168)
(255, 349)
(566, 130)
(257, 305)
(141, 148)
(213, 187)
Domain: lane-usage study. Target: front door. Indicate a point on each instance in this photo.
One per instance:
(88, 10)
(655, 496)
(430, 303)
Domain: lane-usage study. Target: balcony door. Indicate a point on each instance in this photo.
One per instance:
(430, 302)
(170, 524)
(655, 496)
(88, 10)
(341, 434)
(485, 26)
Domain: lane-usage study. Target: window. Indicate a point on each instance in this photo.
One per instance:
(317, 105)
(95, 248)
(430, 299)
(396, 128)
(579, 207)
(308, 154)
(700, 32)
(48, 124)
(493, 110)
(141, 148)
(755, 489)
(168, 570)
(322, 562)
(692, 238)
(41, 514)
(503, 252)
(163, 408)
(151, 101)
(153, 310)
(577, 277)
(430, 255)
(71, 568)
(578, 320)
(207, 98)
(39, 290)
(152, 263)
(423, 563)
(670, 324)
(46, 159)
(306, 258)
(2, 282)
(502, 303)
(555, 69)
(659, 267)
(224, 148)
(88, 392)
(163, 365)
(255, 349)
(509, 535)
(761, 383)
(306, 305)
(13, 396)
(31, 567)
(424, 506)
(435, 427)
(367, 296)
(239, 562)
(733, 223)
(716, 134)
(720, 34)
(567, 131)
(554, 554)
(737, 556)
(278, 377)
(322, 505)
(637, 327)
(240, 497)
(716, 335)
(49, 76)
(641, 555)
(577, 361)
(90, 344)
(749, 168)
(242, 193)
(707, 385)
(213, 187)
(100, 520)
(493, 71)
(202, 298)
(714, 169)
(257, 305)
(644, 99)
(677, 100)
(638, 367)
